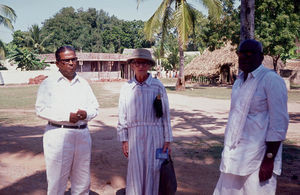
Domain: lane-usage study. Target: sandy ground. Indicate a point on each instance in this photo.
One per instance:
(198, 127)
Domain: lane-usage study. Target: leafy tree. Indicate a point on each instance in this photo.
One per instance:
(36, 40)
(19, 39)
(178, 14)
(93, 31)
(277, 26)
(7, 17)
(27, 60)
(214, 33)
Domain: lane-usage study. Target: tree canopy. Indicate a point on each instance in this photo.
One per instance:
(93, 31)
(277, 26)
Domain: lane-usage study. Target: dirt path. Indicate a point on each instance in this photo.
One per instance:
(198, 126)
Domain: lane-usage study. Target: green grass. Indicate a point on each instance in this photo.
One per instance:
(208, 92)
(294, 96)
(24, 97)
(18, 97)
(106, 99)
(217, 92)
(168, 81)
(295, 86)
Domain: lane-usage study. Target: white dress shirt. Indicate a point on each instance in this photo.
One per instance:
(267, 121)
(57, 97)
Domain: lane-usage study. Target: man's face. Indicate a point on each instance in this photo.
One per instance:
(67, 64)
(250, 57)
(140, 66)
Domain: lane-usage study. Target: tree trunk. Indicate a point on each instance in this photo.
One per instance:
(275, 60)
(247, 19)
(180, 84)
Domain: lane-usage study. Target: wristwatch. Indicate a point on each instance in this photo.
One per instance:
(269, 155)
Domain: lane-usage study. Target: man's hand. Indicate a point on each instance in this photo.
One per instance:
(267, 165)
(167, 146)
(125, 148)
(81, 114)
(266, 169)
(73, 118)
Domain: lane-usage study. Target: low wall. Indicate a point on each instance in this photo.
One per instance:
(94, 76)
(21, 77)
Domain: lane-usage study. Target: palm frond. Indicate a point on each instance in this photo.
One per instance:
(2, 50)
(138, 3)
(8, 12)
(6, 22)
(7, 16)
(184, 20)
(158, 19)
(214, 8)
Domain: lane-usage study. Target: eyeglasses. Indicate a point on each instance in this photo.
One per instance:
(142, 64)
(67, 61)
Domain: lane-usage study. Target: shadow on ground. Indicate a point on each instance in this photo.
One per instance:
(196, 156)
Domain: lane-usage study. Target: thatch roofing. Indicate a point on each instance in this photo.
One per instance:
(210, 62)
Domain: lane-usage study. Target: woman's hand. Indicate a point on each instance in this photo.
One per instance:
(167, 146)
(125, 148)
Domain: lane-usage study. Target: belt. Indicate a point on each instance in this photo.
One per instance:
(68, 126)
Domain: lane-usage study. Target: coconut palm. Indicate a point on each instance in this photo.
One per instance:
(7, 16)
(35, 39)
(181, 15)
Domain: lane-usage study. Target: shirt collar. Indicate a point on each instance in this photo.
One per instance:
(61, 77)
(147, 82)
(254, 73)
(257, 71)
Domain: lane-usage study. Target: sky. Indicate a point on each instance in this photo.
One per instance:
(31, 12)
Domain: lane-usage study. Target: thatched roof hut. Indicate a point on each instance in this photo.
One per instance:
(220, 65)
(211, 63)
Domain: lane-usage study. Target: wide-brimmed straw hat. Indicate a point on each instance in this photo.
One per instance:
(141, 54)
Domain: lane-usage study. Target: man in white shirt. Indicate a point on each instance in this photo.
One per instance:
(257, 125)
(67, 102)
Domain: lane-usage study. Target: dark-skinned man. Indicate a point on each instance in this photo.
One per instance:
(256, 127)
(67, 102)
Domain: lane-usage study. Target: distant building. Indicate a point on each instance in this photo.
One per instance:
(105, 63)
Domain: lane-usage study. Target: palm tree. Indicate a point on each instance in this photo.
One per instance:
(178, 14)
(35, 39)
(7, 16)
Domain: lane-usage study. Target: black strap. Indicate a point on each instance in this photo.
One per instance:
(68, 126)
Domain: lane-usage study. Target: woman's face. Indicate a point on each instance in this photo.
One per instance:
(140, 67)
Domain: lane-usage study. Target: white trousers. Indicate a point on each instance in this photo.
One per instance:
(230, 184)
(67, 155)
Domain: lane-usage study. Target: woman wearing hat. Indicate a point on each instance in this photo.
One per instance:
(141, 129)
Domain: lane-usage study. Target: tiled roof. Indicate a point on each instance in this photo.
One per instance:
(89, 57)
